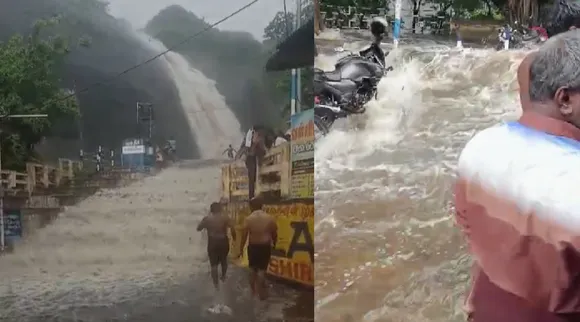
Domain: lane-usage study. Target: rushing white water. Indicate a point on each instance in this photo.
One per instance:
(213, 123)
(116, 245)
(387, 248)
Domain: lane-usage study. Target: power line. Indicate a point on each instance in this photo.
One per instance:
(86, 89)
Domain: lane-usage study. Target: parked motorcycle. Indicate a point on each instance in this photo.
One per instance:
(521, 37)
(352, 84)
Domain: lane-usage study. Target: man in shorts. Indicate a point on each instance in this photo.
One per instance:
(261, 231)
(218, 245)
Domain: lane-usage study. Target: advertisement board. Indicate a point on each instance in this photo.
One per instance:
(302, 154)
(12, 224)
(137, 155)
(136, 149)
(293, 257)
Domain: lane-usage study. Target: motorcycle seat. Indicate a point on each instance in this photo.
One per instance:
(333, 76)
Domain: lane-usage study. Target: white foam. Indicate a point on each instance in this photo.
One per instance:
(112, 247)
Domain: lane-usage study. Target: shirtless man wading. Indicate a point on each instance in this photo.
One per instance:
(218, 246)
(261, 231)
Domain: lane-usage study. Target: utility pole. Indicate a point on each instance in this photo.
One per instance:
(2, 230)
(149, 119)
(79, 125)
(298, 71)
(317, 18)
(397, 25)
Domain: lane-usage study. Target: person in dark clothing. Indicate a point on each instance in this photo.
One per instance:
(230, 151)
(261, 231)
(256, 148)
(218, 245)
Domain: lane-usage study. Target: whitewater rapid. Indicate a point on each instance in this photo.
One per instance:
(113, 247)
(387, 248)
(212, 122)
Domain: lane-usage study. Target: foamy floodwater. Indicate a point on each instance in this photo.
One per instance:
(113, 247)
(387, 248)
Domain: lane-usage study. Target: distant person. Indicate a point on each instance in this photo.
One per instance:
(505, 36)
(170, 148)
(218, 245)
(261, 231)
(230, 151)
(458, 38)
(255, 150)
(280, 139)
(542, 33)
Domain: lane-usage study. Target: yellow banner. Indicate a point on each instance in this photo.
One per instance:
(293, 257)
(302, 185)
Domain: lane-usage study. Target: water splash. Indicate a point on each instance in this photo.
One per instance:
(387, 248)
(113, 247)
(213, 123)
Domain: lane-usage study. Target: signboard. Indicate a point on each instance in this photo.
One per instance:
(137, 155)
(293, 257)
(133, 149)
(12, 224)
(133, 142)
(302, 154)
(133, 146)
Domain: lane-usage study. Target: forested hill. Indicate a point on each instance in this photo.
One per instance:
(235, 60)
(100, 47)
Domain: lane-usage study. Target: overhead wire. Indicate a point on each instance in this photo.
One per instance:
(147, 61)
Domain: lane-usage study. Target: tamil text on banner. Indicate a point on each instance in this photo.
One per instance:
(302, 180)
(293, 257)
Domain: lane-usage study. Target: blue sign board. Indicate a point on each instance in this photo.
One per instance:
(137, 155)
(12, 224)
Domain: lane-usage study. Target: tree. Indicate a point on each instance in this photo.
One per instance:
(29, 85)
(280, 27)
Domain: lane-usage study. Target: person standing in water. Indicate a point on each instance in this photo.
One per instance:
(218, 245)
(261, 231)
(230, 151)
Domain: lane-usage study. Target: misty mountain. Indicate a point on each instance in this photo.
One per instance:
(235, 60)
(108, 109)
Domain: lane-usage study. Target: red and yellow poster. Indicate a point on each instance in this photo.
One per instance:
(293, 257)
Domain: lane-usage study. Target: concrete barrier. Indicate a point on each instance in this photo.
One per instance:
(24, 213)
(38, 177)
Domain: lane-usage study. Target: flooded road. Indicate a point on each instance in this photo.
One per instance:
(132, 254)
(387, 248)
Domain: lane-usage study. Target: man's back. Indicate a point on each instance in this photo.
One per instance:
(259, 224)
(217, 226)
(515, 199)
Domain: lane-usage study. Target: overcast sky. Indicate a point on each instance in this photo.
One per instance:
(253, 20)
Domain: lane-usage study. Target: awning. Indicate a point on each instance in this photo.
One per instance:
(296, 51)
